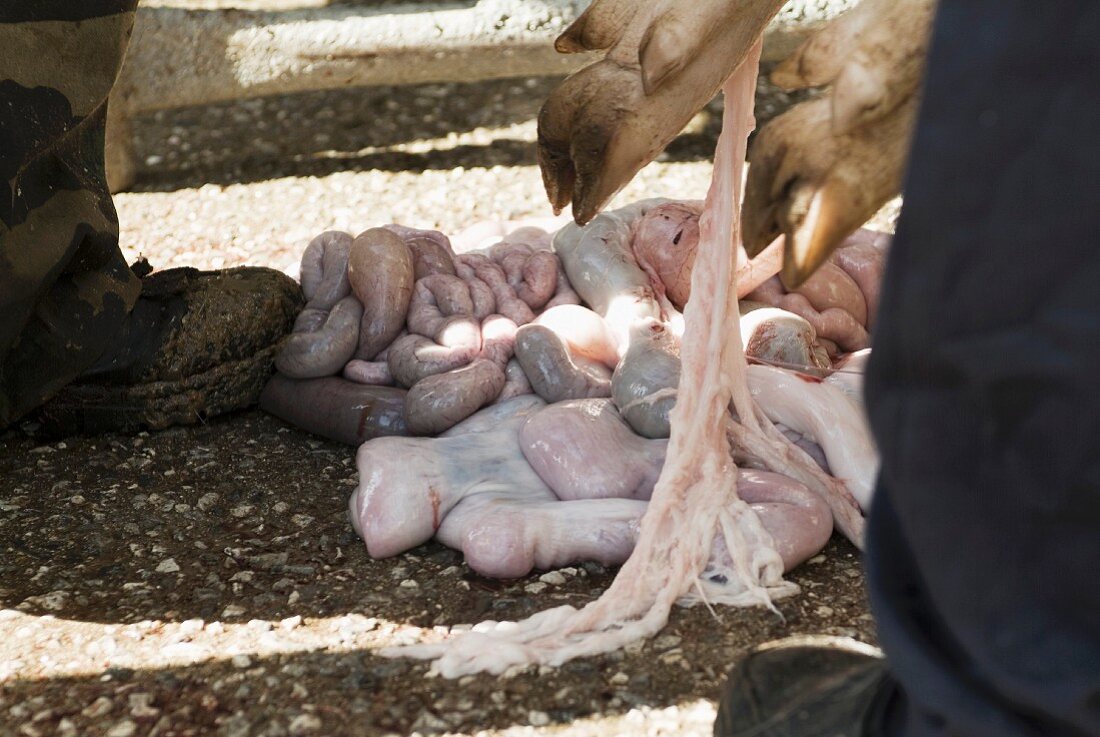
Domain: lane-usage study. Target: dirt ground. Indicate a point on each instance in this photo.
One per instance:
(205, 580)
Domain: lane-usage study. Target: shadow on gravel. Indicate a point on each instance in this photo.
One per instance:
(242, 518)
(315, 134)
(239, 519)
(318, 133)
(340, 693)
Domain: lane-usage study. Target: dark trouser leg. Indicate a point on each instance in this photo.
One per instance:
(64, 285)
(985, 534)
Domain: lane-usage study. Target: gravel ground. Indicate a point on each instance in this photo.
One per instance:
(255, 181)
(205, 580)
(207, 577)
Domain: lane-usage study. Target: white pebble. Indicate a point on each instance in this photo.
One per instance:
(304, 723)
(666, 642)
(554, 578)
(141, 706)
(97, 708)
(53, 601)
(191, 626)
(125, 728)
(168, 565)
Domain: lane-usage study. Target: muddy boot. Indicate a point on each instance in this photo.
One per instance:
(197, 344)
(808, 687)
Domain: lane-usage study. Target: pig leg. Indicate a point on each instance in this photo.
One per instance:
(873, 56)
(815, 187)
(823, 168)
(605, 122)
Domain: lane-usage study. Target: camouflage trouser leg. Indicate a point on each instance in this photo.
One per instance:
(64, 286)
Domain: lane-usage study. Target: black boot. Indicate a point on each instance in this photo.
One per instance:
(197, 344)
(813, 686)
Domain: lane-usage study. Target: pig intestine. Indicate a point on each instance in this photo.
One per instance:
(497, 483)
(695, 499)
